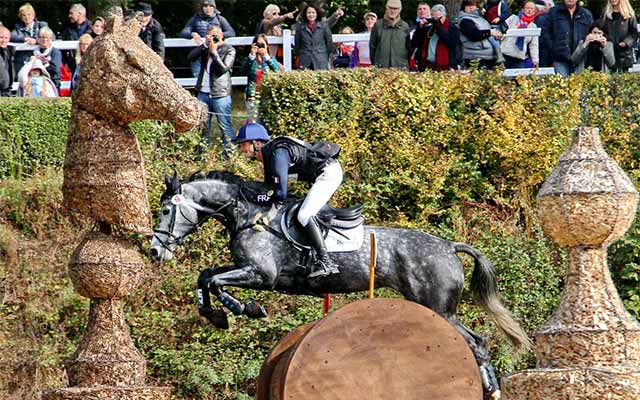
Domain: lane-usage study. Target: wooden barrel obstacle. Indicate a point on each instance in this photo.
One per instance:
(373, 349)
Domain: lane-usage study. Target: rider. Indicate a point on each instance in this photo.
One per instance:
(314, 163)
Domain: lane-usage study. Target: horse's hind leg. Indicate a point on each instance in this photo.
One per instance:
(478, 346)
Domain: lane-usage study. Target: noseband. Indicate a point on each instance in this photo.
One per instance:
(177, 201)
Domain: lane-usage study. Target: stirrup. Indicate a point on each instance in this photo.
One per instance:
(323, 269)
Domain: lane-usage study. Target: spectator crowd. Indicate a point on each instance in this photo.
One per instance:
(571, 40)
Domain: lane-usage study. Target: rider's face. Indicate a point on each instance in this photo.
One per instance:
(246, 148)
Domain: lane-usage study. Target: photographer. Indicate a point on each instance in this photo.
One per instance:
(254, 67)
(214, 83)
(594, 52)
(438, 42)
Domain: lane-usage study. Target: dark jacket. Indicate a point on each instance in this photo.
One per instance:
(389, 45)
(153, 36)
(566, 33)
(19, 34)
(20, 31)
(221, 67)
(73, 32)
(449, 37)
(619, 30)
(200, 23)
(7, 74)
(544, 42)
(283, 156)
(313, 48)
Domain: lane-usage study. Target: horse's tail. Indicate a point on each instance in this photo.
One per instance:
(483, 285)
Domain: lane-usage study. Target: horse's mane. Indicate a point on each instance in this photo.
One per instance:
(249, 187)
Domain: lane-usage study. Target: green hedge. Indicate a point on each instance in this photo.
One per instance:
(459, 156)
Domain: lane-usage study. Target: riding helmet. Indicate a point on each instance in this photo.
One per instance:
(252, 131)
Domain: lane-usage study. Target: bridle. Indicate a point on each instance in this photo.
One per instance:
(178, 200)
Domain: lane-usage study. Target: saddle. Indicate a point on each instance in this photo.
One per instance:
(342, 228)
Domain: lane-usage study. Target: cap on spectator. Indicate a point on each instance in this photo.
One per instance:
(368, 13)
(209, 2)
(144, 8)
(394, 3)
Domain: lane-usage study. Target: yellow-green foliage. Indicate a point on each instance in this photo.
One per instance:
(410, 140)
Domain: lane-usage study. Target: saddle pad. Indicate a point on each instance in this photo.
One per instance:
(337, 239)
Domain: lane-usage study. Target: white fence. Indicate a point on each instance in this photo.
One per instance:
(287, 42)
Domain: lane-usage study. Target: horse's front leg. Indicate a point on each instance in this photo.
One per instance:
(213, 279)
(217, 316)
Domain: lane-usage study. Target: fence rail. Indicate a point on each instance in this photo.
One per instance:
(287, 41)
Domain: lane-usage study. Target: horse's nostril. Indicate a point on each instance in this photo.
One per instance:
(153, 253)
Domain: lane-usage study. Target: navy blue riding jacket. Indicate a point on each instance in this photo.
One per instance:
(283, 156)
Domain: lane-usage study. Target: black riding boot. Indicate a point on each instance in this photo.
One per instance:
(323, 265)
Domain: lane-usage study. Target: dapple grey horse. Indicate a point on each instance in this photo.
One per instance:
(424, 268)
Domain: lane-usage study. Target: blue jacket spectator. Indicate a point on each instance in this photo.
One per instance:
(79, 25)
(197, 27)
(566, 26)
(50, 57)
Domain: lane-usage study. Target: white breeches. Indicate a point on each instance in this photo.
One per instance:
(321, 191)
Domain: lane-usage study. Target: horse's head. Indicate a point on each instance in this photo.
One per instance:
(178, 218)
(183, 207)
(123, 72)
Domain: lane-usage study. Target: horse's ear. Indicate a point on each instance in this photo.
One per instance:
(167, 182)
(175, 182)
(114, 19)
(133, 24)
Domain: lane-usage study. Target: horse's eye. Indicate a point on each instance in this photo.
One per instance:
(165, 211)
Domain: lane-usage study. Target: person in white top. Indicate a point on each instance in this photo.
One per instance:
(360, 56)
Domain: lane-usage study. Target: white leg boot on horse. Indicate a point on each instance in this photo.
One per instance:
(323, 265)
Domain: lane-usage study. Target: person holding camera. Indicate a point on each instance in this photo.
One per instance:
(258, 63)
(437, 42)
(214, 83)
(594, 52)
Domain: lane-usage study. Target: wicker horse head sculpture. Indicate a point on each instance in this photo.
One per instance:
(121, 81)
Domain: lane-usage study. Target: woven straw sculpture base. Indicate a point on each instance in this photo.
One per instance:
(109, 393)
(611, 383)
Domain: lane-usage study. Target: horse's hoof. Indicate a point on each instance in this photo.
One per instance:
(496, 395)
(254, 310)
(217, 317)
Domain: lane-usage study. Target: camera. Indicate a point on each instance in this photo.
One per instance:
(431, 20)
(260, 45)
(216, 38)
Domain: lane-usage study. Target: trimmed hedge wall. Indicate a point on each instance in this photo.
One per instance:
(459, 156)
